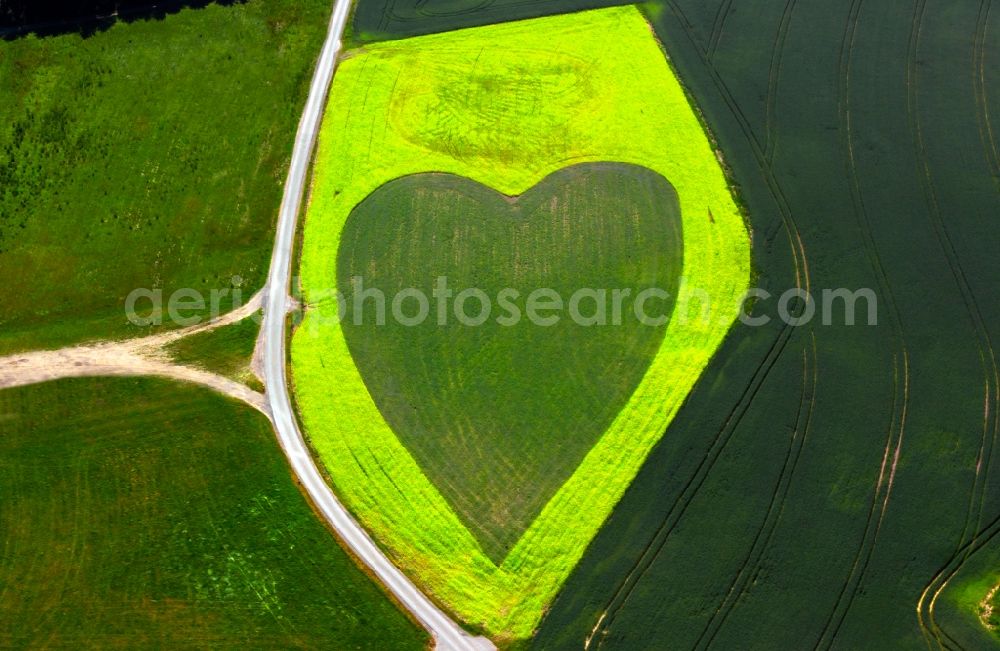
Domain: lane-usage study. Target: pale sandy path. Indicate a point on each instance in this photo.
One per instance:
(132, 357)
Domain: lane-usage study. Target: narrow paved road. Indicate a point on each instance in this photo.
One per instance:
(447, 634)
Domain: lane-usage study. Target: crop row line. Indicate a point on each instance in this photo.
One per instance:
(979, 50)
(692, 486)
(991, 373)
(774, 74)
(801, 270)
(900, 399)
(776, 507)
(717, 27)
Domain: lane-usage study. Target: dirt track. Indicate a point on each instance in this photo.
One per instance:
(133, 357)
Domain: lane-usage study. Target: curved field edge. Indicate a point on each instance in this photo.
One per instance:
(379, 127)
(967, 610)
(148, 513)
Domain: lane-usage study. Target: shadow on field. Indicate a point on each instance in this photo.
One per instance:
(19, 18)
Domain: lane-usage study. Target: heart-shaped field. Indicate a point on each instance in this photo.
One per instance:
(443, 486)
(500, 408)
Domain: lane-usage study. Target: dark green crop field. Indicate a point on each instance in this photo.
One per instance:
(227, 351)
(146, 514)
(150, 155)
(830, 486)
(489, 421)
(378, 20)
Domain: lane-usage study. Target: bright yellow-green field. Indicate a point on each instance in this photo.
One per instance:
(505, 105)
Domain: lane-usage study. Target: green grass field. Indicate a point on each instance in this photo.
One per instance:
(508, 409)
(227, 351)
(821, 480)
(148, 155)
(145, 514)
(586, 87)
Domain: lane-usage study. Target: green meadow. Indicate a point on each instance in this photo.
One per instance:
(227, 350)
(143, 513)
(149, 155)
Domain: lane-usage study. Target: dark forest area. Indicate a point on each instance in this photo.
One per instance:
(48, 17)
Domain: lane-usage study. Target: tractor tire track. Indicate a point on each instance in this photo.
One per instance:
(651, 550)
(900, 400)
(873, 525)
(762, 540)
(691, 487)
(987, 354)
(986, 133)
(717, 27)
(949, 570)
(744, 123)
(987, 357)
(774, 74)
